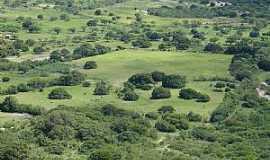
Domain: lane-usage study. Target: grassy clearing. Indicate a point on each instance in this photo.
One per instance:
(117, 67)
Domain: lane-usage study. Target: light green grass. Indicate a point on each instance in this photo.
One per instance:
(116, 67)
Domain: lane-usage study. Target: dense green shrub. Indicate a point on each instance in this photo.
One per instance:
(164, 126)
(23, 87)
(141, 79)
(71, 79)
(161, 93)
(141, 43)
(157, 76)
(194, 117)
(203, 134)
(101, 88)
(111, 110)
(213, 47)
(90, 65)
(220, 85)
(38, 50)
(129, 95)
(152, 115)
(189, 93)
(254, 34)
(11, 90)
(9, 104)
(86, 84)
(5, 79)
(105, 153)
(59, 93)
(174, 81)
(166, 109)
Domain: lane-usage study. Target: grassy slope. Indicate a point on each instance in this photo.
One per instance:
(117, 67)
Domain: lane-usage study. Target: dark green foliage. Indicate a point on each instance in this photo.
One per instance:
(23, 87)
(174, 81)
(110, 110)
(225, 109)
(37, 83)
(60, 55)
(254, 34)
(90, 65)
(11, 90)
(38, 50)
(129, 94)
(160, 93)
(12, 148)
(101, 88)
(264, 65)
(166, 109)
(157, 76)
(141, 79)
(193, 94)
(213, 47)
(5, 79)
(203, 134)
(152, 115)
(87, 50)
(189, 93)
(141, 43)
(92, 23)
(191, 116)
(164, 126)
(55, 148)
(71, 79)
(9, 105)
(59, 93)
(86, 84)
(220, 85)
(107, 153)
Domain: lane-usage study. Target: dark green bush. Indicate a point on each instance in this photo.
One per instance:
(164, 126)
(101, 88)
(189, 93)
(5, 79)
(194, 117)
(59, 93)
(86, 84)
(166, 109)
(141, 79)
(152, 115)
(157, 76)
(90, 65)
(203, 134)
(161, 93)
(174, 81)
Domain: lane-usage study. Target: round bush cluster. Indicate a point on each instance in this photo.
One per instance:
(59, 93)
(160, 93)
(90, 65)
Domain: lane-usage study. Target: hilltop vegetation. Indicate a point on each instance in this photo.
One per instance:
(134, 79)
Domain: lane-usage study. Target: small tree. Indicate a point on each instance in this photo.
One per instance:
(174, 81)
(98, 12)
(10, 104)
(160, 93)
(59, 93)
(90, 65)
(57, 30)
(166, 109)
(188, 93)
(164, 126)
(158, 76)
(101, 88)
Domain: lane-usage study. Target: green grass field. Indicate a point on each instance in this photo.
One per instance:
(117, 67)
